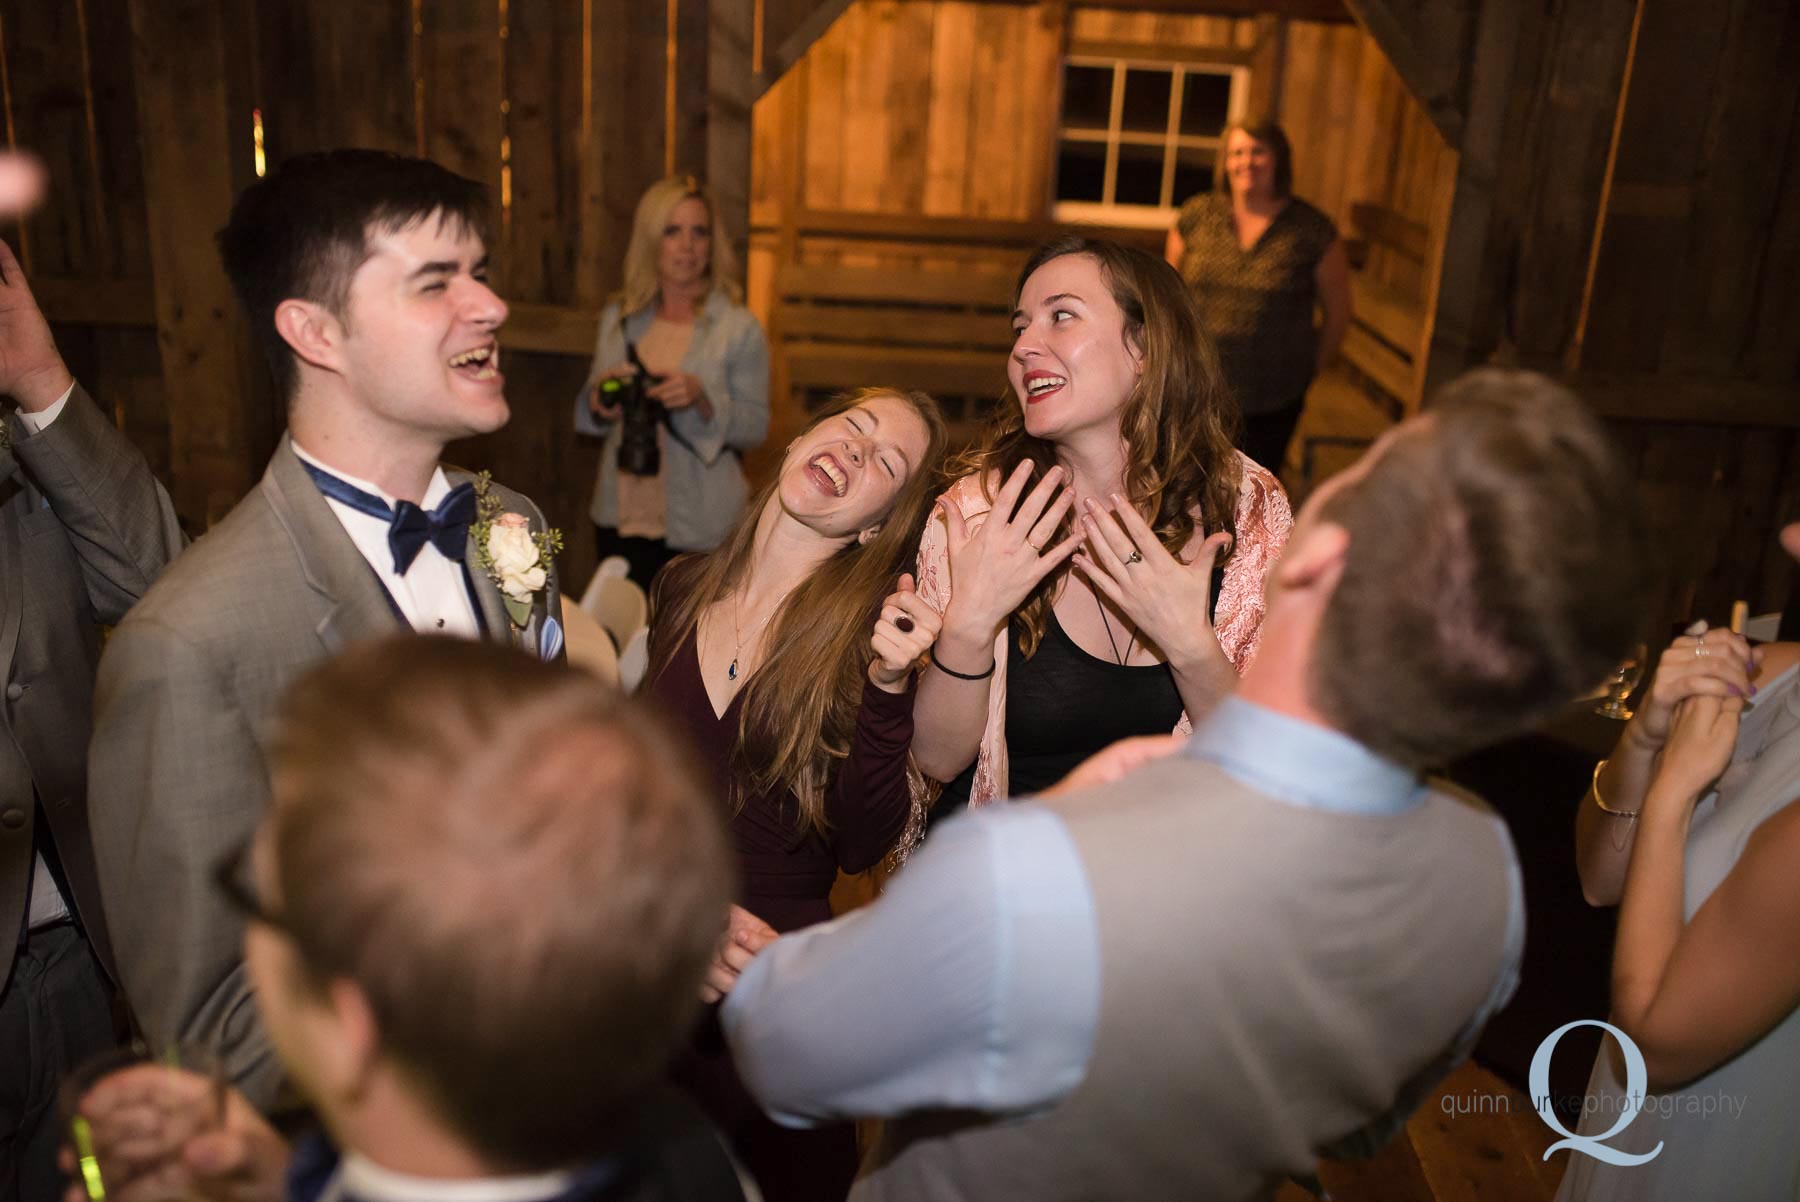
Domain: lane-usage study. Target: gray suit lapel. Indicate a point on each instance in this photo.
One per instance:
(335, 569)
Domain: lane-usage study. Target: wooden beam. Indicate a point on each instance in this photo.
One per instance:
(783, 46)
(1709, 402)
(1465, 314)
(1430, 49)
(196, 146)
(730, 93)
(1328, 11)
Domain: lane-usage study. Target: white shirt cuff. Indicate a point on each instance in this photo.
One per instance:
(41, 419)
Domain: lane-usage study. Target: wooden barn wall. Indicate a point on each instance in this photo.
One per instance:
(88, 249)
(1693, 307)
(944, 109)
(1360, 138)
(563, 107)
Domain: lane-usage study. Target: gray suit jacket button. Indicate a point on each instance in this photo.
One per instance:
(14, 692)
(12, 819)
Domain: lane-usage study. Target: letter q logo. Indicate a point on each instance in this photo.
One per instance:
(1636, 1078)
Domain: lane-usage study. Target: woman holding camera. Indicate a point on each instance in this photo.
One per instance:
(679, 387)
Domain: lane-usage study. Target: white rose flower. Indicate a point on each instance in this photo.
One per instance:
(515, 557)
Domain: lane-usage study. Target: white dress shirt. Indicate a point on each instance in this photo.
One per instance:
(432, 594)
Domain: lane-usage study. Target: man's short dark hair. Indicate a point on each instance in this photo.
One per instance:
(1498, 567)
(301, 232)
(521, 869)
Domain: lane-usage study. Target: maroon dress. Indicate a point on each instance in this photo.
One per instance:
(787, 872)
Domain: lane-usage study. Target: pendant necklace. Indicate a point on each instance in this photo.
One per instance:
(1129, 643)
(737, 642)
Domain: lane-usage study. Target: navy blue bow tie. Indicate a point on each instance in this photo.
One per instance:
(410, 527)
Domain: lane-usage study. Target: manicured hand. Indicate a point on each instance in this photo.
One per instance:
(904, 632)
(31, 370)
(1700, 663)
(159, 1134)
(1170, 602)
(1701, 737)
(994, 568)
(745, 935)
(1113, 762)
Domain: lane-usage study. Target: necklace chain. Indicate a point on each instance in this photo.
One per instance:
(1107, 622)
(737, 641)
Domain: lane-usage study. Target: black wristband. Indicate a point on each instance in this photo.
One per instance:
(951, 672)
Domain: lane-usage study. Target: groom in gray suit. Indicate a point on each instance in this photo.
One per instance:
(84, 528)
(364, 275)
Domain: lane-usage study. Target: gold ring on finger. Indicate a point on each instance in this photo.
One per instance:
(1134, 557)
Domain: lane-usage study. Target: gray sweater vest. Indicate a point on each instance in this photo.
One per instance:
(1273, 977)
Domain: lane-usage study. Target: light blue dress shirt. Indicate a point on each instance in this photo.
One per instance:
(974, 983)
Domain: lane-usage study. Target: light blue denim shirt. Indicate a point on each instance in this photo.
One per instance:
(974, 983)
(705, 486)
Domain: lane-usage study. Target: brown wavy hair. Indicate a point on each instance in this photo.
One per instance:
(1177, 423)
(800, 706)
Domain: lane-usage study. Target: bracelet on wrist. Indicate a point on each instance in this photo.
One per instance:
(1601, 801)
(954, 674)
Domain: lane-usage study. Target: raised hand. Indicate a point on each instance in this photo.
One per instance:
(1700, 663)
(31, 370)
(1170, 602)
(1701, 737)
(745, 935)
(994, 569)
(904, 632)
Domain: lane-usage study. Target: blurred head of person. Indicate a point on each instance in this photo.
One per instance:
(1255, 160)
(1479, 568)
(482, 903)
(676, 246)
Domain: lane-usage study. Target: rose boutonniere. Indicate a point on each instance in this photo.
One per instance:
(515, 557)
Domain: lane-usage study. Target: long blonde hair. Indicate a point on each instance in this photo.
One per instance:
(659, 200)
(1177, 423)
(800, 706)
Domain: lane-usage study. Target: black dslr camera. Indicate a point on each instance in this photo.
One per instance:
(639, 416)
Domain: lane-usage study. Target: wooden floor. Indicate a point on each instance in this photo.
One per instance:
(1477, 1140)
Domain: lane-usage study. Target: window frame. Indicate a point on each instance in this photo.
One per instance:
(1107, 210)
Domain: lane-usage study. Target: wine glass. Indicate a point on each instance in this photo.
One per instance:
(1622, 683)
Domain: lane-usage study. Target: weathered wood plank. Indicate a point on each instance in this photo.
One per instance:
(879, 284)
(462, 69)
(1661, 138)
(122, 225)
(46, 82)
(336, 75)
(1569, 128)
(195, 156)
(1754, 118)
(730, 94)
(947, 109)
(543, 122)
(899, 326)
(952, 373)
